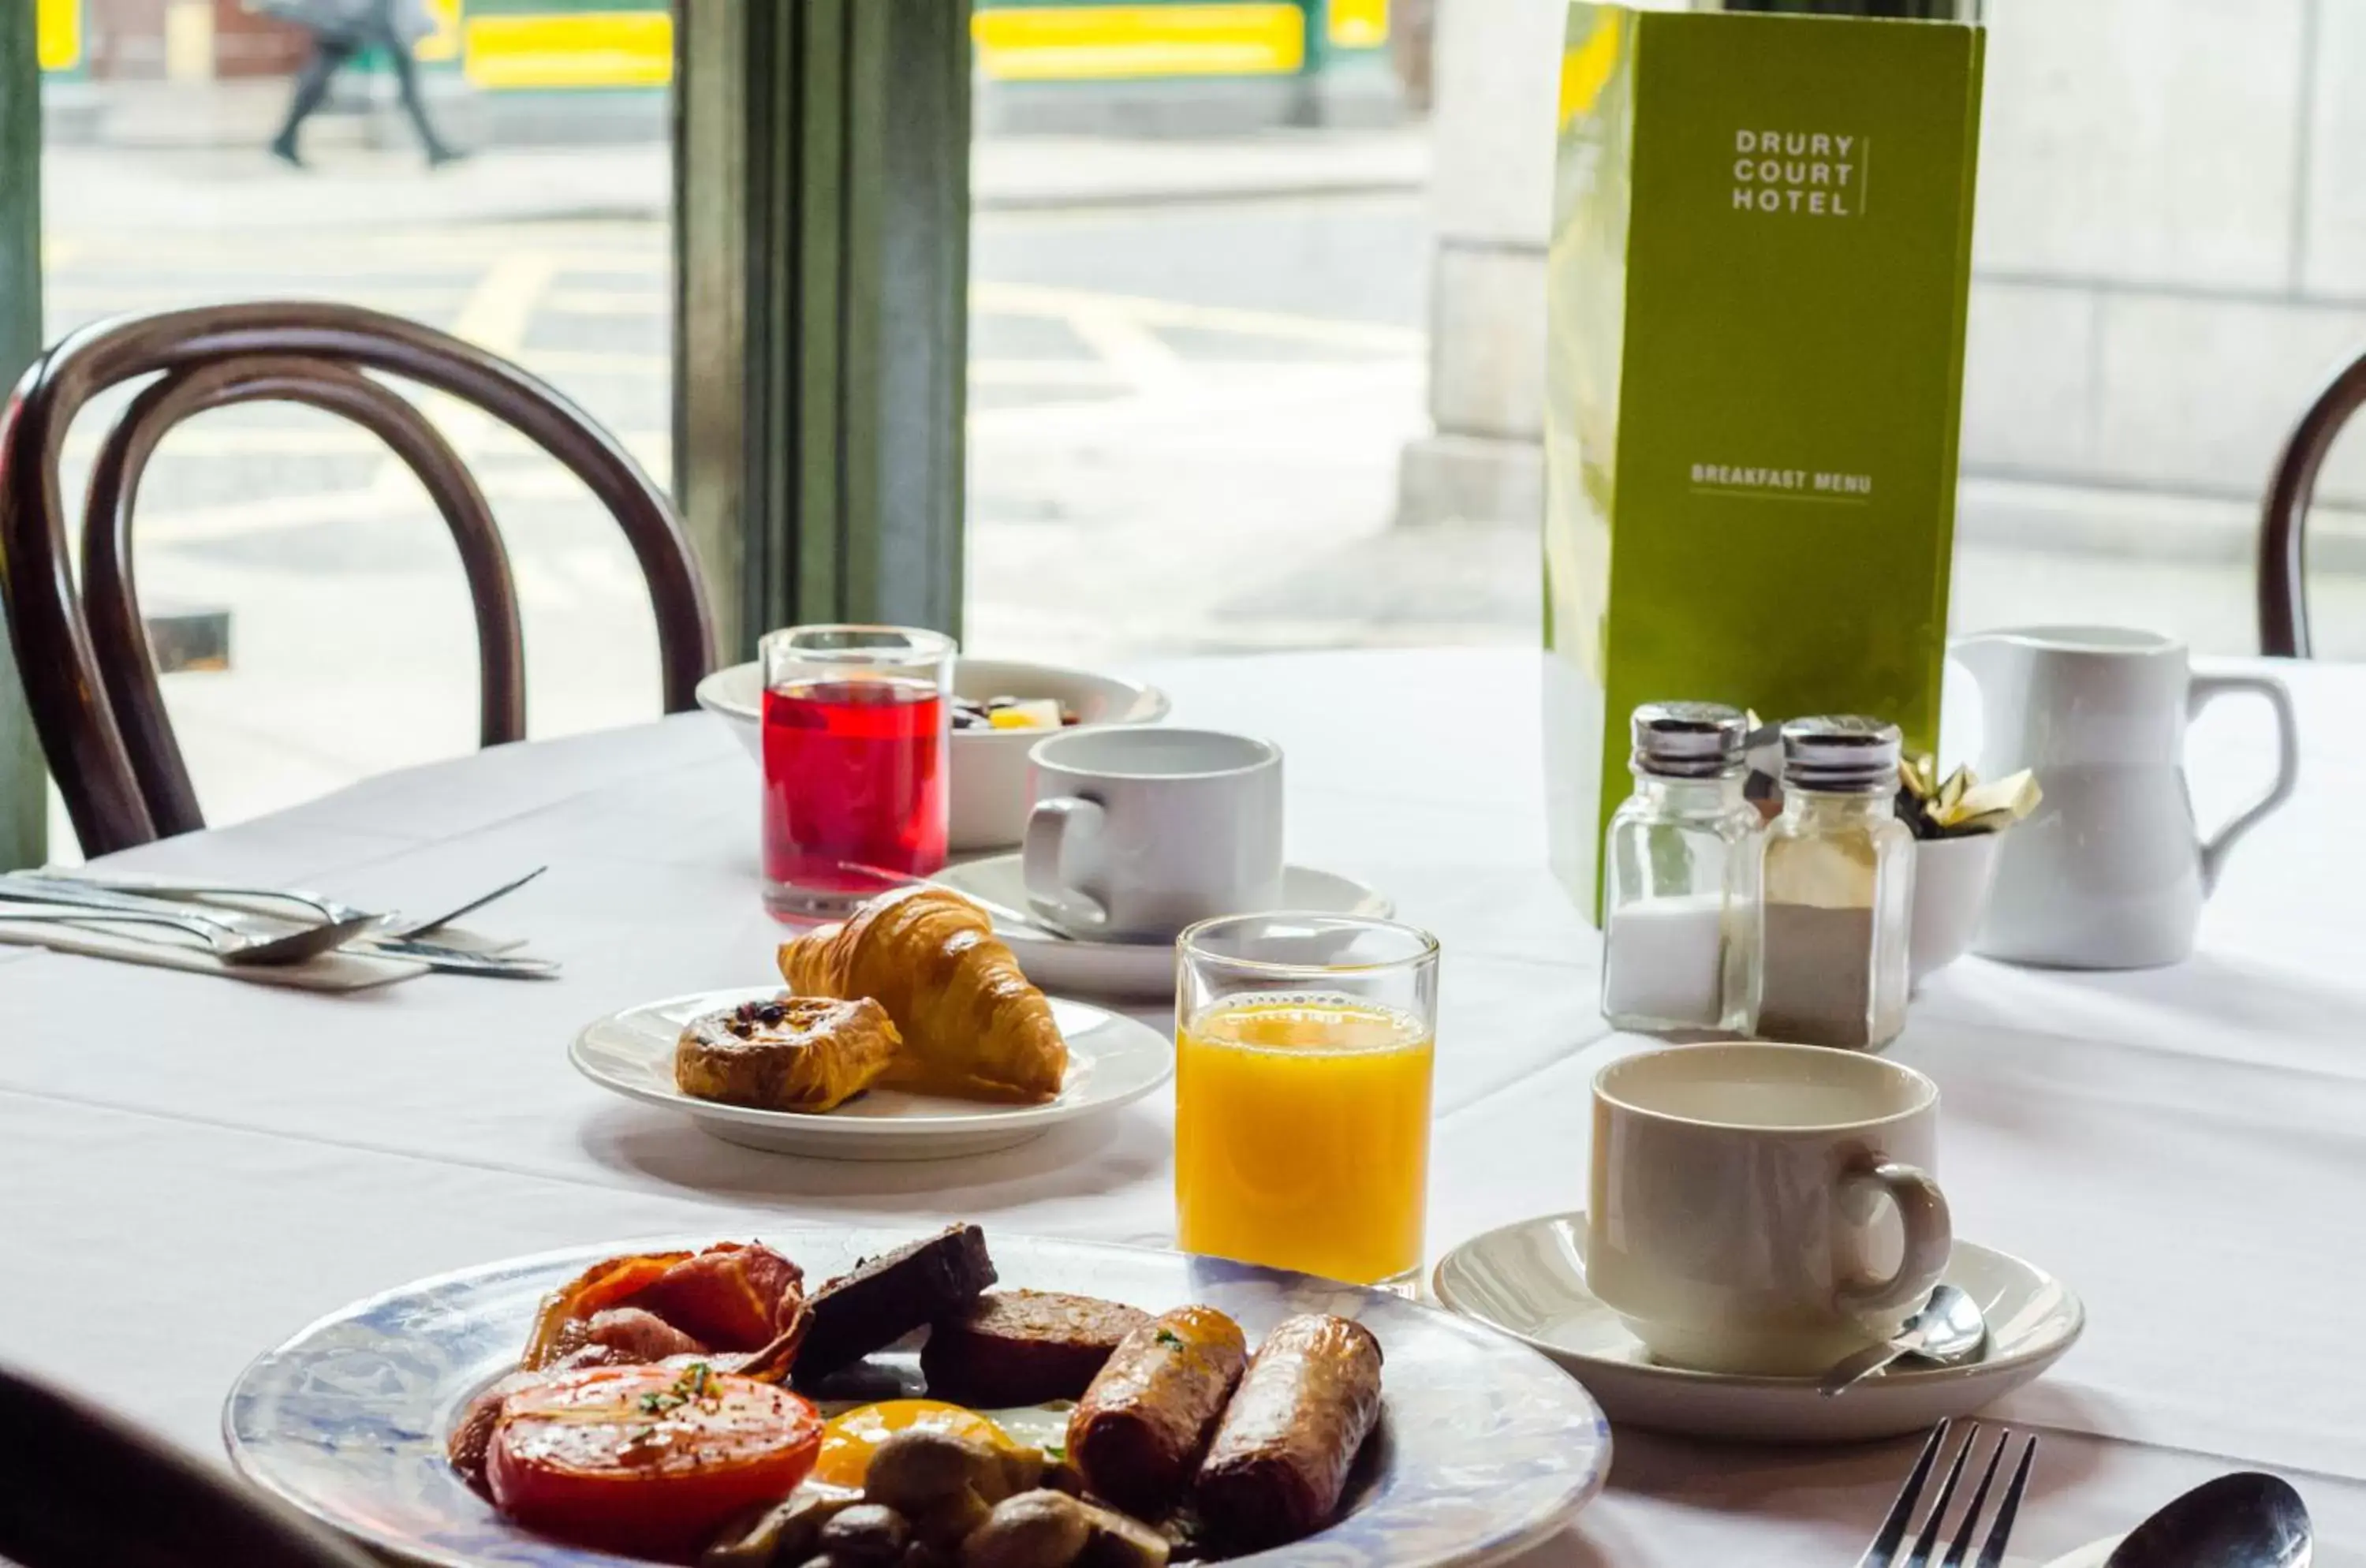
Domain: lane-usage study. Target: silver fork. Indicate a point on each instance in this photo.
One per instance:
(406, 927)
(224, 942)
(1884, 1552)
(178, 889)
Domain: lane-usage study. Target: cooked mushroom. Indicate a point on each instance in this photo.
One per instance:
(1120, 1541)
(1051, 1530)
(866, 1536)
(1034, 1530)
(787, 1532)
(918, 1471)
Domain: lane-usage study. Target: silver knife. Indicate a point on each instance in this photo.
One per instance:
(456, 961)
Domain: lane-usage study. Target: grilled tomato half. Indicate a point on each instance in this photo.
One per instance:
(646, 1460)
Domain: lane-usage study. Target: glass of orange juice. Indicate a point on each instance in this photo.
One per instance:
(1303, 1046)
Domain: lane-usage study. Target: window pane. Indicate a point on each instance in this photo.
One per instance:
(351, 646)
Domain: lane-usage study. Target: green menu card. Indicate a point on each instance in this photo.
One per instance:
(1762, 238)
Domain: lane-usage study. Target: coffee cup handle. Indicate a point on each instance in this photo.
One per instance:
(1929, 1239)
(1052, 826)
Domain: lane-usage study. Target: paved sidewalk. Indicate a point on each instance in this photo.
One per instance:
(191, 156)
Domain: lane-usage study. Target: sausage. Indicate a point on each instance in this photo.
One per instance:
(1139, 1431)
(1281, 1454)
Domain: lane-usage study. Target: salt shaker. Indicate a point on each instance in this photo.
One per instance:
(1837, 889)
(1678, 921)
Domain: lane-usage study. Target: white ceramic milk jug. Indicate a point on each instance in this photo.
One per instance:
(2108, 873)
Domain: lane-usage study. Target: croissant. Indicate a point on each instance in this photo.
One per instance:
(973, 1026)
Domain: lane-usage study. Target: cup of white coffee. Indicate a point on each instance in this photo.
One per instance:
(1762, 1207)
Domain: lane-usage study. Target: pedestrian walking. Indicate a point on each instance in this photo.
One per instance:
(342, 30)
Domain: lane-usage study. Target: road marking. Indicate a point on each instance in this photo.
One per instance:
(110, 298)
(395, 493)
(1192, 412)
(1136, 311)
(1034, 300)
(562, 362)
(501, 307)
(651, 301)
(1126, 344)
(497, 316)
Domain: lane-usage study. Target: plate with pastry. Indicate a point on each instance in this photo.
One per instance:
(861, 1398)
(904, 1032)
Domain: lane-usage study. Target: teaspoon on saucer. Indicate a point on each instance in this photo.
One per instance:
(1004, 915)
(1947, 1331)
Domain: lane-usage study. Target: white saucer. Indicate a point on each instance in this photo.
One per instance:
(1112, 1061)
(1133, 968)
(1528, 1280)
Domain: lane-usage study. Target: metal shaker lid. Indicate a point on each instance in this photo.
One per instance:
(1841, 752)
(1689, 741)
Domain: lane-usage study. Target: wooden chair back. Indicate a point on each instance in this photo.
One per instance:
(2283, 520)
(88, 1490)
(89, 675)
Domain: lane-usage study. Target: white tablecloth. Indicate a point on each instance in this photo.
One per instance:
(190, 1169)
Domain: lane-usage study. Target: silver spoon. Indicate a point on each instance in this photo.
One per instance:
(177, 889)
(1003, 913)
(2244, 1520)
(1948, 1331)
(223, 942)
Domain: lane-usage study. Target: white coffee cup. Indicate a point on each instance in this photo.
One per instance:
(1761, 1208)
(1137, 833)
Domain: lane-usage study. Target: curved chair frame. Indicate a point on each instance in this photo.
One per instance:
(111, 595)
(108, 767)
(2283, 520)
(88, 1490)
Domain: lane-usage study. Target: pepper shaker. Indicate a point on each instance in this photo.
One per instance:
(1837, 889)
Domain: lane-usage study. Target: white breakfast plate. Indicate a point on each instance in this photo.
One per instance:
(1528, 1280)
(1485, 1449)
(1133, 968)
(1112, 1060)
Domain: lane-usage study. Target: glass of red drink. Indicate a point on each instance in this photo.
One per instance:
(858, 731)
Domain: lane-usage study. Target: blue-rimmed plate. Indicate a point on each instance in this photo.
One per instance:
(1487, 1447)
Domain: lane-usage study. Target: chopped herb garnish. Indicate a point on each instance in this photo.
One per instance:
(1056, 1452)
(1168, 1336)
(695, 1383)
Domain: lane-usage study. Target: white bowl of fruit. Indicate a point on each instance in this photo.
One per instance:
(1001, 707)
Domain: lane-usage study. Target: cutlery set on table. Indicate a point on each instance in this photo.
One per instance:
(286, 936)
(2244, 1520)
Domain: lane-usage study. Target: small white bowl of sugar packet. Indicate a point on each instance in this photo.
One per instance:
(1952, 878)
(1958, 822)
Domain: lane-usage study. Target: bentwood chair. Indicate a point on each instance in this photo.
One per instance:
(2284, 520)
(88, 1490)
(89, 673)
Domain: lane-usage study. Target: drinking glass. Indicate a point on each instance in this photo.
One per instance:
(858, 730)
(1304, 1051)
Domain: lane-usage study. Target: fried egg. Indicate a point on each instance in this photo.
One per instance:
(848, 1440)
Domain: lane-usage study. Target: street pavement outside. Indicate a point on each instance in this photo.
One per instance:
(1193, 366)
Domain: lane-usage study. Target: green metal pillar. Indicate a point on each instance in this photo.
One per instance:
(24, 783)
(822, 196)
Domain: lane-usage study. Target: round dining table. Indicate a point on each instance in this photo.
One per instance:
(192, 1168)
